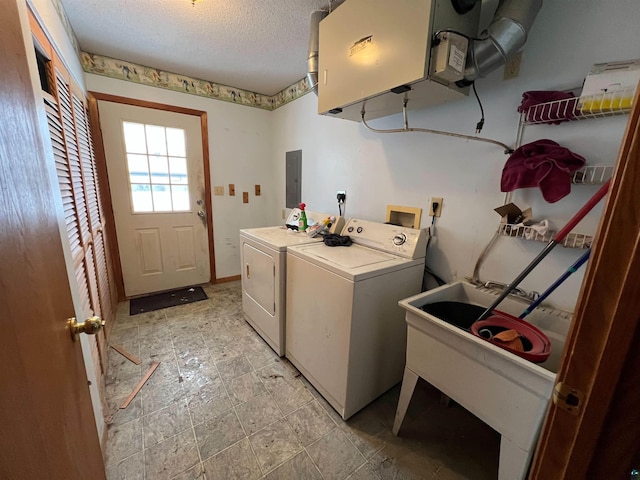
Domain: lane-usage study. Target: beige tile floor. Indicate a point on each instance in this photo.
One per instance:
(223, 406)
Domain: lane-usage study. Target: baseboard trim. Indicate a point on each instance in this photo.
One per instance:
(227, 279)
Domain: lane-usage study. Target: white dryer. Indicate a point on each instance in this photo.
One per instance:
(263, 256)
(345, 331)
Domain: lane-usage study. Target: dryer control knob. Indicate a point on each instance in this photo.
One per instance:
(399, 239)
(359, 230)
(350, 229)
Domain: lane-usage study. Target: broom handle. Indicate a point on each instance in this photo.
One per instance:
(582, 212)
(556, 239)
(519, 279)
(572, 269)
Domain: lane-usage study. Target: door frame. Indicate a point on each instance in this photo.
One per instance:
(101, 163)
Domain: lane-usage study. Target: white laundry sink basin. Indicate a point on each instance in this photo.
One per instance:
(507, 392)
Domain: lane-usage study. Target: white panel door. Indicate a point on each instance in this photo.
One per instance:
(156, 176)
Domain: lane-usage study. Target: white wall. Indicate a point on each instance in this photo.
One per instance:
(240, 146)
(409, 168)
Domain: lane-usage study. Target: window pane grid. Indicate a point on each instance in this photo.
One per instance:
(157, 163)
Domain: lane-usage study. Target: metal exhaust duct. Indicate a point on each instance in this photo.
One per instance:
(506, 35)
(312, 61)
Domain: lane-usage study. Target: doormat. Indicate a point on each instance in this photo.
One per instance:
(166, 300)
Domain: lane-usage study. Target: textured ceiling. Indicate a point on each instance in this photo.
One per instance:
(256, 45)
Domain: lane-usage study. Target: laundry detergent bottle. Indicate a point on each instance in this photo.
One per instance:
(302, 223)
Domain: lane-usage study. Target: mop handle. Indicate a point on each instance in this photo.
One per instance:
(527, 270)
(554, 241)
(582, 212)
(572, 269)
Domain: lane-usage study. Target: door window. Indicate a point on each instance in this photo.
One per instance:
(157, 163)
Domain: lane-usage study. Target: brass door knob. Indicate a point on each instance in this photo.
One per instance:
(90, 326)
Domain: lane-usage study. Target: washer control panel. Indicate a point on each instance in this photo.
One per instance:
(402, 241)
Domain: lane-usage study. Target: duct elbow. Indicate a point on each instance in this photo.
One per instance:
(312, 59)
(505, 36)
(312, 80)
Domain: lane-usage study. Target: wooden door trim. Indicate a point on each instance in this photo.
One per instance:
(106, 192)
(204, 125)
(146, 104)
(599, 346)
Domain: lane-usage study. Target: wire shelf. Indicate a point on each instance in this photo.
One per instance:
(577, 240)
(593, 175)
(606, 104)
(572, 240)
(521, 231)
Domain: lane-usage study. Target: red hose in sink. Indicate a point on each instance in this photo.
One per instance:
(538, 347)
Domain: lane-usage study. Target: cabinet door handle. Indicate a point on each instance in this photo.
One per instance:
(248, 273)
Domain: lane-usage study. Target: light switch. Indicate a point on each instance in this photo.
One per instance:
(232, 189)
(245, 197)
(257, 190)
(218, 190)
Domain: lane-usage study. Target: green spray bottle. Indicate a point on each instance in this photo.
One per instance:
(302, 223)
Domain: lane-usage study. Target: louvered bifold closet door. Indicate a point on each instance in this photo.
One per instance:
(76, 175)
(59, 142)
(106, 281)
(79, 190)
(96, 254)
(80, 225)
(62, 168)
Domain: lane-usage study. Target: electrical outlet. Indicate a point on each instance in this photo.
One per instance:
(435, 206)
(342, 195)
(512, 67)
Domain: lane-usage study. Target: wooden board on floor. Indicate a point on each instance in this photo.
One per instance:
(135, 391)
(127, 355)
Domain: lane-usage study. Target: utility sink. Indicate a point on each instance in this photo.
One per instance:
(505, 391)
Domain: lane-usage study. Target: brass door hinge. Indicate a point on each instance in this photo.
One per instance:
(567, 398)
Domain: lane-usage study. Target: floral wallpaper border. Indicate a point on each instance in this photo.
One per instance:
(66, 24)
(133, 72)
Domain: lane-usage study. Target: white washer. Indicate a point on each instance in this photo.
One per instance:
(263, 256)
(345, 331)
